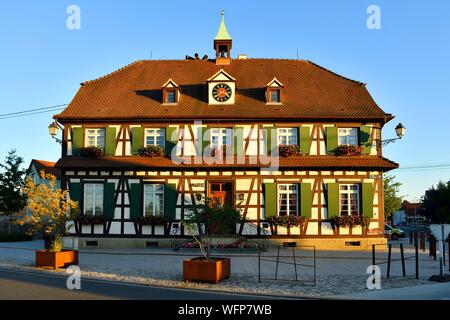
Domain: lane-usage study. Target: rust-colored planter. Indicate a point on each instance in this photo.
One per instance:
(200, 269)
(55, 260)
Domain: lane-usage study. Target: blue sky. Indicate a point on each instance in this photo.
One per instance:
(405, 64)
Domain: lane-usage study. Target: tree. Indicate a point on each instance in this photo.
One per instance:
(49, 206)
(392, 201)
(437, 203)
(12, 200)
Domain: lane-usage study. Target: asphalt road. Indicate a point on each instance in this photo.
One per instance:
(20, 285)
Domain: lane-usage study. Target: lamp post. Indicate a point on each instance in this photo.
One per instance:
(400, 130)
(53, 129)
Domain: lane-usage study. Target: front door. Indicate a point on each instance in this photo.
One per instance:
(221, 192)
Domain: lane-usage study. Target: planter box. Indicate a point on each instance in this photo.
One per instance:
(200, 269)
(55, 260)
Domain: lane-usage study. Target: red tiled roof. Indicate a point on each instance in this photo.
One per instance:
(310, 92)
(163, 163)
(47, 166)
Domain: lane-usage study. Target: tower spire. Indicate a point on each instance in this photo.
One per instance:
(223, 43)
(222, 33)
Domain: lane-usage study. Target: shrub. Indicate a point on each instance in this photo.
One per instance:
(91, 152)
(289, 150)
(350, 150)
(152, 151)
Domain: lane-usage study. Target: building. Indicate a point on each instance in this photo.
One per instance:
(35, 168)
(228, 128)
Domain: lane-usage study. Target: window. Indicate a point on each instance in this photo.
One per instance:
(287, 136)
(287, 199)
(93, 199)
(349, 199)
(155, 137)
(348, 136)
(153, 199)
(171, 96)
(221, 137)
(95, 138)
(275, 95)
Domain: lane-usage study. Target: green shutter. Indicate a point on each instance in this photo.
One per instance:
(305, 139)
(110, 147)
(366, 141)
(77, 141)
(367, 200)
(270, 145)
(171, 140)
(109, 200)
(333, 200)
(201, 134)
(170, 200)
(137, 139)
(135, 200)
(306, 200)
(75, 192)
(270, 199)
(332, 139)
(238, 144)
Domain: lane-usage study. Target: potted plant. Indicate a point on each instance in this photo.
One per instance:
(348, 150)
(289, 150)
(349, 221)
(152, 151)
(50, 212)
(209, 218)
(91, 152)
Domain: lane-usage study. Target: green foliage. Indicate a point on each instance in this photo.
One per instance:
(392, 201)
(288, 220)
(57, 245)
(437, 203)
(152, 151)
(12, 200)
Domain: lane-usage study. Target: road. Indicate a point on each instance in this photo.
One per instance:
(20, 285)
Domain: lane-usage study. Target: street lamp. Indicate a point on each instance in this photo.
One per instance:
(400, 130)
(53, 129)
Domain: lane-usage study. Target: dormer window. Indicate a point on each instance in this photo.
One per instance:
(170, 92)
(274, 92)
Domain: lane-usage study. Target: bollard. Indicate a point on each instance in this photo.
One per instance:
(433, 247)
(403, 259)
(422, 241)
(389, 261)
(417, 260)
(373, 254)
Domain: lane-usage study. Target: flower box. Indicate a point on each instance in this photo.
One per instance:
(152, 151)
(211, 270)
(348, 150)
(91, 152)
(89, 219)
(289, 150)
(55, 260)
(157, 220)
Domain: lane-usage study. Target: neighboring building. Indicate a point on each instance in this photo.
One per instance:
(35, 168)
(414, 213)
(221, 122)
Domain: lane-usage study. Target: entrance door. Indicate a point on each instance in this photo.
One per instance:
(221, 192)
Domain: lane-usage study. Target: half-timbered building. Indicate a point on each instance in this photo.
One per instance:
(265, 135)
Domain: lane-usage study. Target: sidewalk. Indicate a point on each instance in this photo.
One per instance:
(337, 273)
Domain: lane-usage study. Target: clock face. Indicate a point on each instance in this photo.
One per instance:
(221, 92)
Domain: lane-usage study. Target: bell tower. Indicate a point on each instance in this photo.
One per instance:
(222, 44)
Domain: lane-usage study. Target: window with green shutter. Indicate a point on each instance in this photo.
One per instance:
(171, 140)
(305, 140)
(333, 199)
(109, 200)
(202, 139)
(75, 192)
(270, 199)
(238, 144)
(331, 139)
(137, 137)
(367, 199)
(135, 200)
(170, 200)
(365, 139)
(306, 200)
(271, 140)
(77, 141)
(110, 148)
